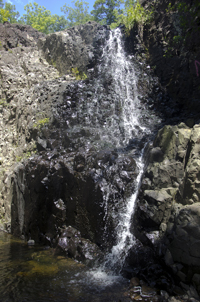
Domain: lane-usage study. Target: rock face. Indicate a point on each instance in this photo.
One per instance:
(169, 43)
(64, 181)
(18, 35)
(173, 48)
(28, 93)
(72, 245)
(168, 205)
(76, 47)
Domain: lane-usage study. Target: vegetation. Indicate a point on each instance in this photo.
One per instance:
(25, 155)
(3, 103)
(188, 17)
(133, 14)
(109, 12)
(40, 123)
(39, 18)
(78, 74)
(78, 14)
(8, 12)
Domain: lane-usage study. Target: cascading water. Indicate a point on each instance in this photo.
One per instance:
(125, 239)
(114, 107)
(120, 127)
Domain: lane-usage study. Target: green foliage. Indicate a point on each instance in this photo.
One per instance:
(8, 12)
(40, 123)
(60, 24)
(39, 18)
(78, 74)
(78, 14)
(188, 15)
(3, 103)
(133, 14)
(107, 11)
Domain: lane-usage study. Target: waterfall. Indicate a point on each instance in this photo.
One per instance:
(125, 239)
(122, 125)
(117, 69)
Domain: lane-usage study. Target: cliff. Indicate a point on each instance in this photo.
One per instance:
(57, 170)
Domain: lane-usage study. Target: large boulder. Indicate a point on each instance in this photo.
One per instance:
(74, 246)
(185, 243)
(76, 47)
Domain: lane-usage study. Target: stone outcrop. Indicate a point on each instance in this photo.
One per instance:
(169, 43)
(72, 245)
(168, 211)
(30, 87)
(75, 47)
(67, 175)
(173, 48)
(18, 35)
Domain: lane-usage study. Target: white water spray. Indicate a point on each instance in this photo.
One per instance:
(120, 69)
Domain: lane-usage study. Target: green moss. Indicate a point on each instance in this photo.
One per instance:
(3, 103)
(53, 63)
(25, 155)
(78, 74)
(40, 123)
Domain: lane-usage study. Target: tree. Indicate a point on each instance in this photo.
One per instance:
(133, 13)
(60, 24)
(77, 15)
(39, 18)
(8, 12)
(106, 11)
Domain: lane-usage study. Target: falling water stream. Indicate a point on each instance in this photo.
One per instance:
(34, 274)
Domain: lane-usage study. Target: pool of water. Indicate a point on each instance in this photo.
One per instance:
(34, 273)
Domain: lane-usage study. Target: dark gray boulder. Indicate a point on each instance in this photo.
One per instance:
(76, 47)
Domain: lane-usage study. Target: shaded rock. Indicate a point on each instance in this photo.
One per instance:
(156, 155)
(71, 243)
(169, 200)
(185, 245)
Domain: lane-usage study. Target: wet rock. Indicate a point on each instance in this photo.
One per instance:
(31, 242)
(71, 243)
(134, 282)
(147, 291)
(79, 163)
